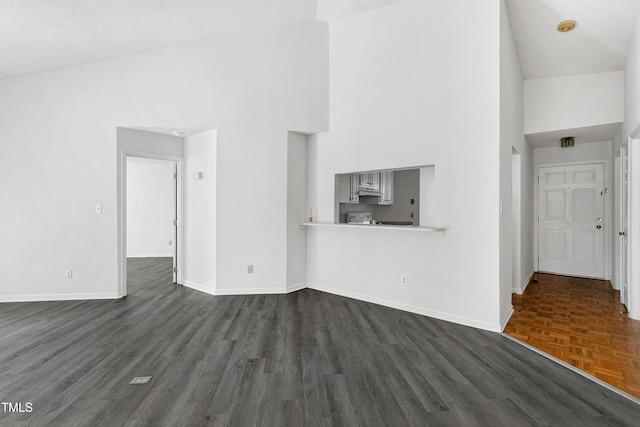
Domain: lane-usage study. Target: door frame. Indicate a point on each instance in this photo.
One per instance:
(619, 210)
(122, 214)
(633, 230)
(607, 224)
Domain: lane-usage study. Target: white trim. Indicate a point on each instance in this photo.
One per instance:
(409, 228)
(506, 318)
(296, 287)
(633, 209)
(618, 244)
(608, 220)
(57, 297)
(493, 327)
(157, 255)
(574, 369)
(251, 291)
(524, 284)
(199, 287)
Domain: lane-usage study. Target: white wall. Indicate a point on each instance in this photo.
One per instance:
(151, 207)
(516, 192)
(578, 153)
(200, 217)
(297, 211)
(59, 133)
(571, 102)
(527, 220)
(632, 86)
(407, 91)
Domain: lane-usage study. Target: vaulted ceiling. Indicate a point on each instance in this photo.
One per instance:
(42, 35)
(47, 34)
(599, 42)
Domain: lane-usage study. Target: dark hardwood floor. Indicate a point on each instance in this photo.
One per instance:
(306, 358)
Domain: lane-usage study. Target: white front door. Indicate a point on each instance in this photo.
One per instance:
(571, 220)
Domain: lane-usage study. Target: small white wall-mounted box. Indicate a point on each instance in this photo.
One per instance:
(197, 176)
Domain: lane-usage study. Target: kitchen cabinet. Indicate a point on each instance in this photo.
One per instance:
(348, 188)
(369, 181)
(386, 188)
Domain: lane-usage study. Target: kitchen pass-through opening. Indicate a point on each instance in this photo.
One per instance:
(402, 197)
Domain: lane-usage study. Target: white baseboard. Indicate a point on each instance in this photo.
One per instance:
(296, 287)
(614, 283)
(251, 291)
(506, 318)
(198, 287)
(58, 297)
(523, 285)
(410, 308)
(149, 255)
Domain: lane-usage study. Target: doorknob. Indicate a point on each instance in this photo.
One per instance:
(598, 226)
(622, 233)
(599, 219)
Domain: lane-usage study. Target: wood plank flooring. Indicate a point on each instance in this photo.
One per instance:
(581, 322)
(303, 359)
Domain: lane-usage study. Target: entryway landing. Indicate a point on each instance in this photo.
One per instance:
(581, 322)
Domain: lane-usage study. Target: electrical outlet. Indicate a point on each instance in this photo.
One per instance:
(250, 269)
(68, 273)
(98, 209)
(404, 280)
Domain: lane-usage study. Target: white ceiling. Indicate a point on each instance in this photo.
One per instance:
(599, 43)
(39, 35)
(336, 10)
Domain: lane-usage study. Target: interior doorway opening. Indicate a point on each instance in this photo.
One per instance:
(150, 146)
(151, 213)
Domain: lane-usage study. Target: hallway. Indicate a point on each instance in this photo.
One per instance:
(579, 321)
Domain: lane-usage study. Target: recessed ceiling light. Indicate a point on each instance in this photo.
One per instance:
(566, 26)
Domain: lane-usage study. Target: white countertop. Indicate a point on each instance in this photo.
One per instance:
(406, 228)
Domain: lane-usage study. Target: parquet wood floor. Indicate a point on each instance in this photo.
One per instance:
(581, 322)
